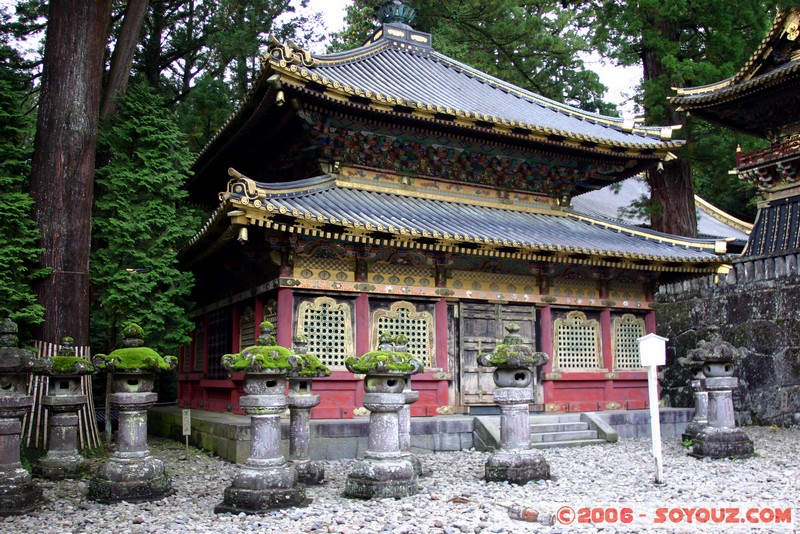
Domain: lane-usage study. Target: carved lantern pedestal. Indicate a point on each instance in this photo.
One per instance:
(385, 470)
(18, 493)
(301, 400)
(694, 363)
(265, 481)
(63, 402)
(721, 438)
(410, 397)
(132, 474)
(516, 462)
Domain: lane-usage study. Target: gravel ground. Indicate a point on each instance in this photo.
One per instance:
(453, 498)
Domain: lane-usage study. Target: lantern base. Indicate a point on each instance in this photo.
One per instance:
(517, 467)
(131, 480)
(18, 494)
(380, 479)
(719, 443)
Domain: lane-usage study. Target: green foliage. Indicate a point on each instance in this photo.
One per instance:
(19, 253)
(688, 44)
(67, 364)
(136, 359)
(536, 45)
(140, 221)
(268, 357)
(377, 360)
(311, 366)
(687, 443)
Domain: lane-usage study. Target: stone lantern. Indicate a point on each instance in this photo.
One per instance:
(265, 481)
(721, 438)
(385, 470)
(515, 365)
(63, 401)
(131, 473)
(18, 493)
(694, 363)
(301, 400)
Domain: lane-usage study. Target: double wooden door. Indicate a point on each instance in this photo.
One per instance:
(481, 326)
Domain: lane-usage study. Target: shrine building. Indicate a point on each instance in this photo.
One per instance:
(762, 99)
(391, 188)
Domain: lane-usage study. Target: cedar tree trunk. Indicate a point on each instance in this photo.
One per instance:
(671, 184)
(122, 58)
(62, 173)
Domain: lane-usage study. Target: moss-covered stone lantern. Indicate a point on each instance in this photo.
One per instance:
(63, 401)
(515, 364)
(18, 493)
(266, 480)
(131, 473)
(720, 438)
(301, 400)
(384, 471)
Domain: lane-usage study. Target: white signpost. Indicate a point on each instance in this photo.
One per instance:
(187, 428)
(652, 353)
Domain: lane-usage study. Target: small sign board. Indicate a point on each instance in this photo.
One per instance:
(187, 422)
(652, 350)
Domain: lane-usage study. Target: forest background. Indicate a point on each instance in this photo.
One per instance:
(100, 123)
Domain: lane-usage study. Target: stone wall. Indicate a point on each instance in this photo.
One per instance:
(756, 307)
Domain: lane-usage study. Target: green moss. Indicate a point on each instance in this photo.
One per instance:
(137, 358)
(133, 330)
(67, 364)
(311, 366)
(260, 357)
(381, 361)
(513, 355)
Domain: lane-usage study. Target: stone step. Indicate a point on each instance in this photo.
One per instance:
(539, 428)
(555, 418)
(563, 436)
(572, 443)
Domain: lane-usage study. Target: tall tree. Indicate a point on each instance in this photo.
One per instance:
(139, 223)
(538, 45)
(19, 253)
(63, 161)
(678, 43)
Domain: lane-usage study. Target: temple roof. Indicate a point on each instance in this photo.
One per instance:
(711, 221)
(747, 100)
(335, 209)
(399, 71)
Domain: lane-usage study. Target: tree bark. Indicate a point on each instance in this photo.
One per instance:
(122, 58)
(62, 171)
(671, 184)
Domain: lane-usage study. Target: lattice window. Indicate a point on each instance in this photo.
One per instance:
(247, 328)
(329, 328)
(576, 342)
(403, 318)
(219, 341)
(199, 344)
(625, 334)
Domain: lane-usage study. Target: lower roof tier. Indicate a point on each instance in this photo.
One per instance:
(473, 221)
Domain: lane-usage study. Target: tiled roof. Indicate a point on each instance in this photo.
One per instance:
(390, 73)
(326, 202)
(607, 201)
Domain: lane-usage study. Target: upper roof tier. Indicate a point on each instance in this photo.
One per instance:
(747, 101)
(398, 70)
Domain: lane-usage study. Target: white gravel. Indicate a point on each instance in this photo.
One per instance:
(453, 498)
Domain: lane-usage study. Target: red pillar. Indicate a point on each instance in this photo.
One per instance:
(362, 324)
(285, 316)
(546, 337)
(650, 322)
(440, 322)
(607, 356)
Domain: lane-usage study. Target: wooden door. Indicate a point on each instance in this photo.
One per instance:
(481, 326)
